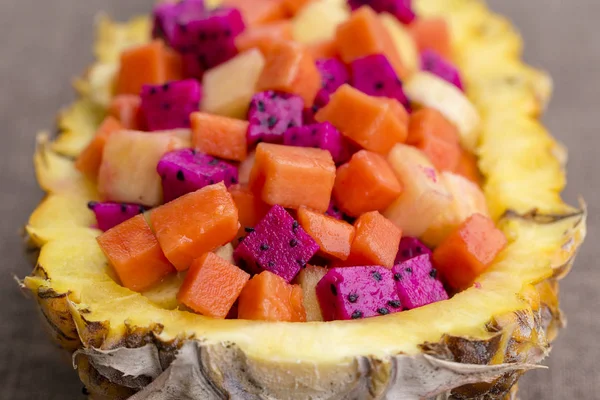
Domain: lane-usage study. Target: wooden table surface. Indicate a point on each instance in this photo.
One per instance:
(46, 43)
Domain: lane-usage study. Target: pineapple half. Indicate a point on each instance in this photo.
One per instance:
(474, 346)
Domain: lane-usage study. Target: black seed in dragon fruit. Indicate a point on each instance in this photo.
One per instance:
(319, 136)
(207, 40)
(334, 211)
(277, 244)
(109, 214)
(357, 292)
(169, 106)
(417, 282)
(185, 171)
(410, 247)
(167, 16)
(437, 65)
(401, 9)
(271, 114)
(375, 76)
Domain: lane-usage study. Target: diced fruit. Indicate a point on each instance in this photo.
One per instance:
(375, 76)
(334, 210)
(229, 87)
(323, 136)
(357, 292)
(271, 114)
(168, 15)
(245, 168)
(169, 106)
(435, 136)
(185, 171)
(262, 37)
(317, 21)
(308, 279)
(212, 285)
(207, 40)
(126, 178)
(267, 297)
(468, 251)
(126, 108)
(400, 9)
(428, 90)
(366, 183)
(334, 237)
(149, 64)
(404, 42)
(467, 167)
(363, 35)
(432, 34)
(293, 6)
(289, 68)
(220, 136)
(251, 209)
(259, 12)
(134, 253)
(437, 65)
(293, 176)
(417, 284)
(467, 199)
(323, 49)
(211, 221)
(364, 119)
(424, 196)
(226, 253)
(410, 247)
(90, 159)
(109, 215)
(277, 244)
(376, 241)
(333, 75)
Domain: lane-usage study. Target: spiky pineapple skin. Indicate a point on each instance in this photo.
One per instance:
(488, 52)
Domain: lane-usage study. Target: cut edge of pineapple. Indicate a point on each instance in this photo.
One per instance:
(541, 243)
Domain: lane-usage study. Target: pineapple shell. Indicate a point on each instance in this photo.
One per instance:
(473, 346)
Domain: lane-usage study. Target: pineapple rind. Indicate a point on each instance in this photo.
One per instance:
(85, 307)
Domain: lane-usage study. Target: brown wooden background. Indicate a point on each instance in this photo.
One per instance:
(44, 43)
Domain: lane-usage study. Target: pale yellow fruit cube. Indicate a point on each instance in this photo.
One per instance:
(424, 196)
(308, 279)
(318, 21)
(228, 88)
(404, 42)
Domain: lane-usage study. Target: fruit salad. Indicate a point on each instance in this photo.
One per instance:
(268, 167)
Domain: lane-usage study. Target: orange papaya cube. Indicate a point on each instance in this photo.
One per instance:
(437, 137)
(323, 49)
(290, 68)
(268, 297)
(90, 159)
(397, 109)
(293, 6)
(135, 255)
(259, 12)
(376, 241)
(432, 34)
(364, 34)
(468, 251)
(211, 286)
(367, 121)
(262, 37)
(333, 236)
(195, 224)
(467, 167)
(149, 64)
(173, 65)
(126, 108)
(366, 183)
(220, 136)
(251, 209)
(293, 176)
